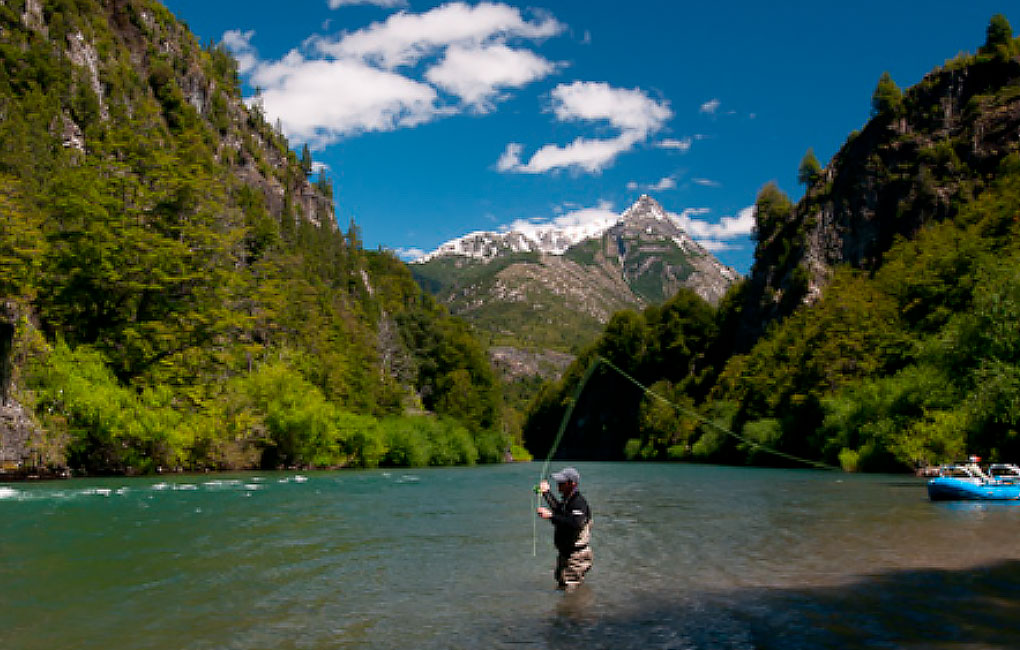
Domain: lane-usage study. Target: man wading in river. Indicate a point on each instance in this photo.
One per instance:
(571, 520)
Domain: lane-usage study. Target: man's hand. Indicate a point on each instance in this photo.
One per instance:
(545, 513)
(543, 486)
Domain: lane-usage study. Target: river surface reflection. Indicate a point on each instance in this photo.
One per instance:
(686, 556)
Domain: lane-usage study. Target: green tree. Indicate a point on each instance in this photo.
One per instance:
(666, 432)
(454, 375)
(324, 186)
(22, 244)
(999, 34)
(306, 160)
(624, 339)
(677, 335)
(772, 209)
(887, 98)
(809, 169)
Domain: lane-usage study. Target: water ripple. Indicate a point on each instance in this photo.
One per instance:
(685, 557)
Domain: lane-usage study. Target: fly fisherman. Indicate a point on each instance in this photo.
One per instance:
(571, 520)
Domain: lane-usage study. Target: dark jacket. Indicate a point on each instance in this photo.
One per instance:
(570, 519)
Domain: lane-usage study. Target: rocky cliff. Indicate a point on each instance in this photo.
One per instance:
(72, 75)
(912, 165)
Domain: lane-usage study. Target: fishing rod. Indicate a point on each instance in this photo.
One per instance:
(556, 444)
(599, 359)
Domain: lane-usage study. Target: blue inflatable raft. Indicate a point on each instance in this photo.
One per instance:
(967, 482)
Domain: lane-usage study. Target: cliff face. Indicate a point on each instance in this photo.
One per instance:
(21, 438)
(906, 170)
(910, 166)
(72, 74)
(140, 39)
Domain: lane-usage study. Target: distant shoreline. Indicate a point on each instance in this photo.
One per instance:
(25, 476)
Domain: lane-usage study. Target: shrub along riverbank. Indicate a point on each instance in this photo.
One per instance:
(267, 419)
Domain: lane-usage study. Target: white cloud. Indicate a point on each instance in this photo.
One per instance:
(476, 74)
(590, 219)
(568, 206)
(710, 106)
(410, 253)
(714, 246)
(682, 145)
(710, 234)
(663, 184)
(585, 154)
(320, 101)
(690, 212)
(510, 159)
(405, 38)
(336, 4)
(334, 87)
(631, 111)
(319, 167)
(239, 43)
(705, 182)
(628, 110)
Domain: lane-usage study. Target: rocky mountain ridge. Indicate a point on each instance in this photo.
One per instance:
(555, 287)
(652, 244)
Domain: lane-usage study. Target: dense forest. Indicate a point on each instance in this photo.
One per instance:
(175, 291)
(879, 328)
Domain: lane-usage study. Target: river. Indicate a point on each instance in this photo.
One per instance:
(686, 556)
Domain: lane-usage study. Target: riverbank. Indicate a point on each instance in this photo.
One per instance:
(19, 475)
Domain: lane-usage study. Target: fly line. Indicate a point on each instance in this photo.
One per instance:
(648, 391)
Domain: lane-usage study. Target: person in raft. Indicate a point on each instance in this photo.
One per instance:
(571, 520)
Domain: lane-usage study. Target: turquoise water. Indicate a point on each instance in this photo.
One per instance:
(686, 556)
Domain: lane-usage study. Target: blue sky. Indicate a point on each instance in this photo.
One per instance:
(438, 119)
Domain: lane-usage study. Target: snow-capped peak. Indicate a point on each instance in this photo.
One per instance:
(646, 206)
(552, 238)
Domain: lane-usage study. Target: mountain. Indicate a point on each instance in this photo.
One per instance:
(877, 329)
(175, 292)
(556, 287)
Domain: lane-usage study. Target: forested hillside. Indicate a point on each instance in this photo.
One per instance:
(175, 290)
(879, 326)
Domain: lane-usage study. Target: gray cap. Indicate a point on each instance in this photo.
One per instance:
(567, 474)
